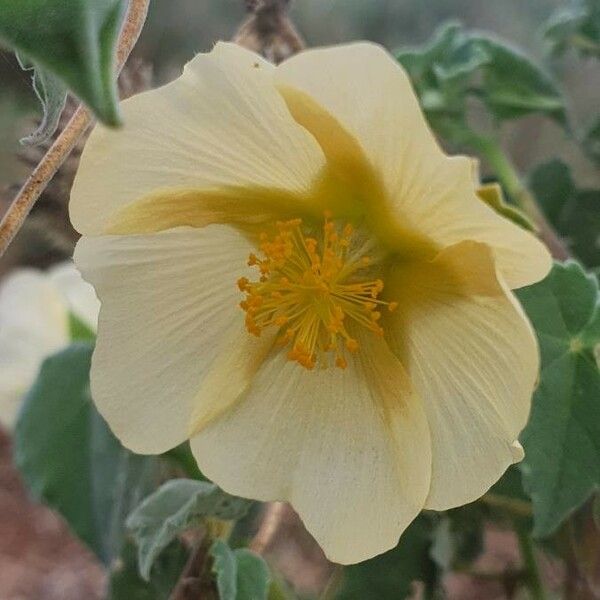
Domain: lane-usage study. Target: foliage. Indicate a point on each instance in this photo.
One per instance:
(52, 93)
(576, 26)
(575, 213)
(178, 505)
(70, 459)
(562, 440)
(127, 584)
(240, 574)
(457, 66)
(70, 43)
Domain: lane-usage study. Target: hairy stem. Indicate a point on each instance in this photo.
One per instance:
(63, 145)
(196, 580)
(532, 579)
(269, 526)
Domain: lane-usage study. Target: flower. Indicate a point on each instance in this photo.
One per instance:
(36, 310)
(297, 279)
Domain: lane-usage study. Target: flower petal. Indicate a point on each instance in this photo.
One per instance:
(79, 296)
(362, 89)
(221, 124)
(473, 357)
(349, 449)
(169, 307)
(33, 325)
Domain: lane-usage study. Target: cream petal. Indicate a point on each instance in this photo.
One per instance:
(169, 307)
(473, 357)
(349, 449)
(79, 296)
(221, 124)
(368, 94)
(33, 325)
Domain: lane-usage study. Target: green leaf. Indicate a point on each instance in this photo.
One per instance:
(591, 141)
(225, 570)
(240, 574)
(253, 577)
(126, 584)
(574, 213)
(562, 440)
(79, 331)
(513, 85)
(73, 40)
(174, 507)
(458, 65)
(580, 226)
(554, 189)
(182, 457)
(70, 459)
(390, 576)
(510, 486)
(52, 93)
(576, 26)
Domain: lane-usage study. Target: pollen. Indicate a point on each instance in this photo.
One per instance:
(314, 291)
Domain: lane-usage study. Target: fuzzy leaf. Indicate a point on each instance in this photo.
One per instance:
(52, 94)
(72, 40)
(562, 440)
(513, 85)
(457, 65)
(576, 26)
(69, 458)
(174, 507)
(240, 574)
(126, 584)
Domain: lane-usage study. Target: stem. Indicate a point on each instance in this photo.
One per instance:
(196, 579)
(511, 181)
(270, 524)
(519, 508)
(63, 145)
(532, 572)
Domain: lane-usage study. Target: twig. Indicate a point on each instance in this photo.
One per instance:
(269, 526)
(196, 581)
(63, 145)
(269, 31)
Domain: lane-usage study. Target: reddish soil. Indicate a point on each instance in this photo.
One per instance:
(39, 558)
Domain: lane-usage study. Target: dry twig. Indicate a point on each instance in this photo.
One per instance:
(42, 174)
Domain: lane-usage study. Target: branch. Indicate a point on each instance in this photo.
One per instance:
(196, 581)
(272, 518)
(269, 30)
(63, 145)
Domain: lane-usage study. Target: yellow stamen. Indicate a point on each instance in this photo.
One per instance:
(311, 291)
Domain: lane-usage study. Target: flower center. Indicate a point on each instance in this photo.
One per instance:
(311, 290)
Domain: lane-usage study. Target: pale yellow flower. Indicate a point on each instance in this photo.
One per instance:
(34, 323)
(376, 255)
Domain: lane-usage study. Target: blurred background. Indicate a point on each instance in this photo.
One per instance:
(39, 559)
(177, 29)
